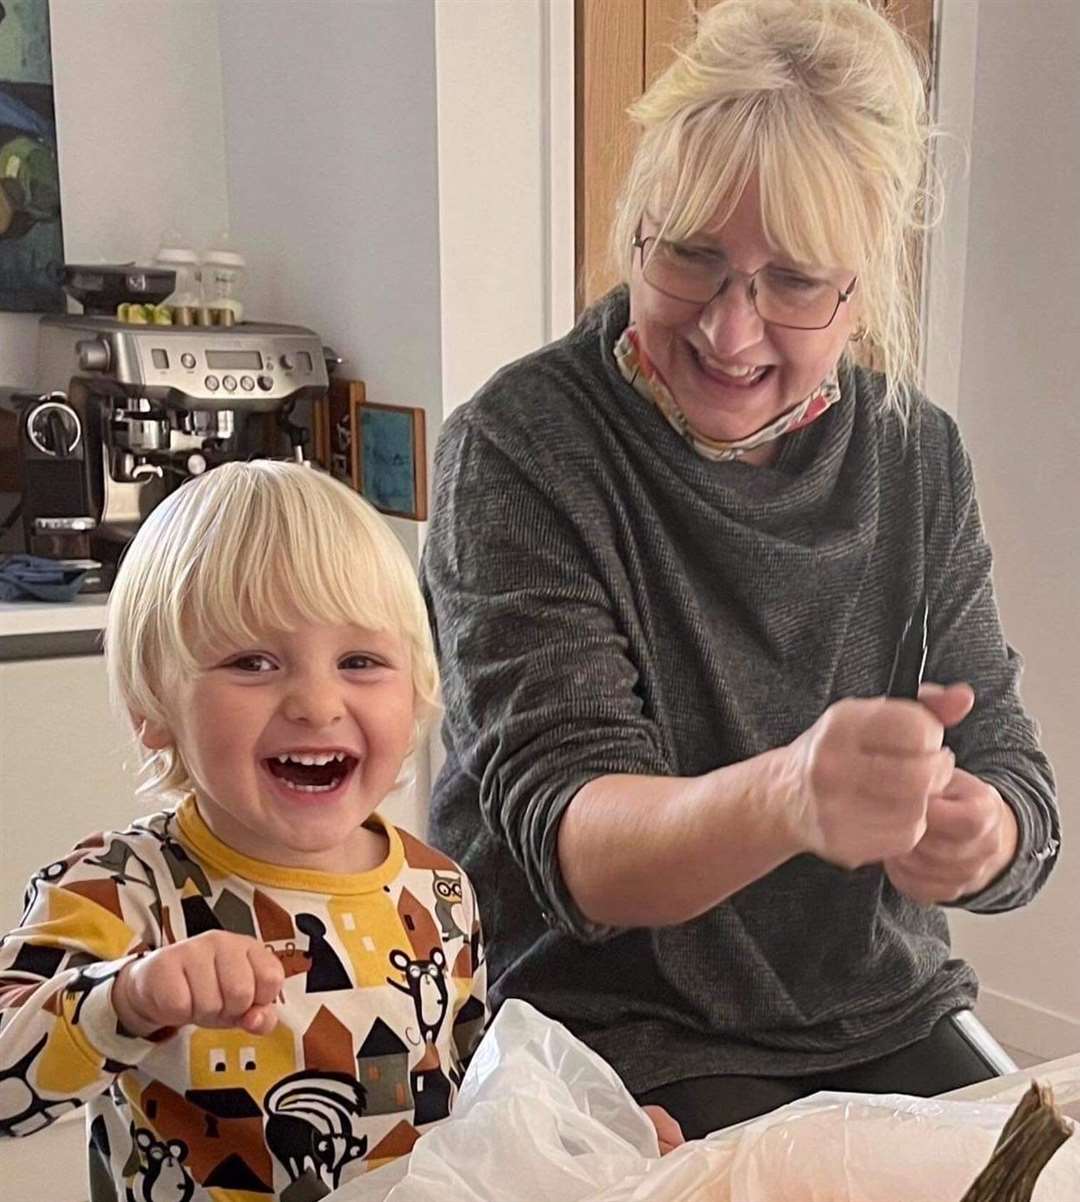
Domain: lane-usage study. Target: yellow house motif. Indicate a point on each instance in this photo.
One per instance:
(368, 928)
(236, 1059)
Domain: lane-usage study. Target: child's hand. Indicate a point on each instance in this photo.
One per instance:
(216, 979)
(668, 1132)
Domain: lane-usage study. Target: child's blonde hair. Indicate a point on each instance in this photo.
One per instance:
(824, 102)
(252, 547)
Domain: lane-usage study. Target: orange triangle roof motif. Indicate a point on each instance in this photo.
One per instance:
(419, 855)
(398, 1141)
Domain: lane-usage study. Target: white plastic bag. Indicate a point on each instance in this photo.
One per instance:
(541, 1118)
(847, 1148)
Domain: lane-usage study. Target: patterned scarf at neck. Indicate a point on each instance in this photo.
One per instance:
(639, 371)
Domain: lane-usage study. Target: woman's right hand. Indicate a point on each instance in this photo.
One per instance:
(216, 979)
(858, 782)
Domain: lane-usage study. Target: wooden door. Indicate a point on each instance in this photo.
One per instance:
(620, 48)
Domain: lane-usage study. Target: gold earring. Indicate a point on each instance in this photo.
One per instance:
(860, 333)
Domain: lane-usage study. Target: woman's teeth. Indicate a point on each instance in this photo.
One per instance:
(744, 373)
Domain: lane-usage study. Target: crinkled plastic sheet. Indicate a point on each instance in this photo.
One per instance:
(541, 1118)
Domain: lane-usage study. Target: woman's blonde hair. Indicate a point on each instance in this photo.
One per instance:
(247, 548)
(823, 101)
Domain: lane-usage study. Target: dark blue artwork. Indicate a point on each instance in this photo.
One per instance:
(31, 238)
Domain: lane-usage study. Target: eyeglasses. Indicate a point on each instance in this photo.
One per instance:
(780, 296)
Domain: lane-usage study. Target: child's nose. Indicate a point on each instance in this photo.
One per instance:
(315, 702)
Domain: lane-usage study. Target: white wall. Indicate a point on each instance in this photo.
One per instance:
(333, 183)
(1018, 385)
(141, 147)
(506, 183)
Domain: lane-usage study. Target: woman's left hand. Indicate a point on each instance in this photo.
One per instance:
(971, 836)
(668, 1132)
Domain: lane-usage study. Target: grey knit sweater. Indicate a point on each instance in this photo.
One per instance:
(607, 601)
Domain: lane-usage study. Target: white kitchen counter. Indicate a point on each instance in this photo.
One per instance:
(85, 613)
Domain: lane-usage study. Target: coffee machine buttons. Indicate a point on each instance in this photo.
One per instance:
(64, 525)
(211, 383)
(247, 383)
(159, 356)
(188, 360)
(266, 383)
(287, 362)
(229, 383)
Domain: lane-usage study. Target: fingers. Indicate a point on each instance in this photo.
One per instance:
(926, 890)
(259, 1020)
(950, 704)
(668, 1132)
(897, 727)
(971, 837)
(216, 979)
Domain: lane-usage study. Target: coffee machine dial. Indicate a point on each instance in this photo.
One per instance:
(54, 428)
(94, 354)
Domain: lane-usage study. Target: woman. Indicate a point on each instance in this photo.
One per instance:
(672, 558)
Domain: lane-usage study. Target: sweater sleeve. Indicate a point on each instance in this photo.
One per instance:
(998, 742)
(540, 695)
(60, 1041)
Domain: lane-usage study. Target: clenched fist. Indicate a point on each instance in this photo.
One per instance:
(861, 779)
(216, 979)
(971, 837)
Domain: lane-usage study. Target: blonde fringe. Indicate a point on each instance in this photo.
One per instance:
(823, 101)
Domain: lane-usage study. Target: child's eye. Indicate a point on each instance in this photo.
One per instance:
(251, 663)
(358, 662)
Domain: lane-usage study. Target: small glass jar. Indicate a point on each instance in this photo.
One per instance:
(222, 273)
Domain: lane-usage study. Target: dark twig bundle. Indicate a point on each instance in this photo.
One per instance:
(1034, 1132)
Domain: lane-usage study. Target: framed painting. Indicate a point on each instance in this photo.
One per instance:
(31, 236)
(393, 459)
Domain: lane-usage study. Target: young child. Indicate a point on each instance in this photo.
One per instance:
(266, 988)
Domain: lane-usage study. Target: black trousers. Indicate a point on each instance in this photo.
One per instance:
(943, 1061)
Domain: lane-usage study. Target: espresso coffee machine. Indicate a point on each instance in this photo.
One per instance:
(125, 413)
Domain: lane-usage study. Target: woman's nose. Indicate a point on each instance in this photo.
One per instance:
(730, 322)
(314, 701)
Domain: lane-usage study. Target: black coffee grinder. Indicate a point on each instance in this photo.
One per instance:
(59, 512)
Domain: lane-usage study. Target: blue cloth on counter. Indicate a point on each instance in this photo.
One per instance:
(32, 577)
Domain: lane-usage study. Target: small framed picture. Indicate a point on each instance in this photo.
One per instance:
(335, 423)
(392, 457)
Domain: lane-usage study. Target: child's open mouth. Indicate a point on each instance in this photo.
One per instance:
(312, 772)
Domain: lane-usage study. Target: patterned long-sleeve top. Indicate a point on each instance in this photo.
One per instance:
(382, 1005)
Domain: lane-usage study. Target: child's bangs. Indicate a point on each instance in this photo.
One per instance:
(309, 562)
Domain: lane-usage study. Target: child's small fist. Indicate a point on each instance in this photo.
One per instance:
(216, 979)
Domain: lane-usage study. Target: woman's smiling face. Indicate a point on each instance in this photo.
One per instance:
(730, 372)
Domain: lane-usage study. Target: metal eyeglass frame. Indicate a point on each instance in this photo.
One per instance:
(842, 296)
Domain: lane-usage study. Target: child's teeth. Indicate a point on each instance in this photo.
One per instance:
(311, 760)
